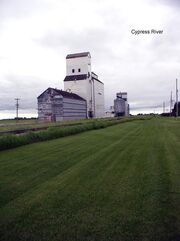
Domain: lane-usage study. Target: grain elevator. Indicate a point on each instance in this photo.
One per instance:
(121, 106)
(82, 81)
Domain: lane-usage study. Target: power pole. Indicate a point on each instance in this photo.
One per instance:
(170, 112)
(17, 107)
(176, 98)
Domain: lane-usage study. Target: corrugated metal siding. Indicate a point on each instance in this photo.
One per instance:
(74, 109)
(57, 108)
(53, 107)
(119, 106)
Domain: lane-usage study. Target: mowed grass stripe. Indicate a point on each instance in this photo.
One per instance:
(173, 171)
(41, 191)
(125, 190)
(30, 168)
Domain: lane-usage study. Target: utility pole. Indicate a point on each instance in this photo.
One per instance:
(17, 107)
(170, 111)
(176, 98)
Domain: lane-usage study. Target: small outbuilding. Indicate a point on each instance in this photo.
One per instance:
(58, 105)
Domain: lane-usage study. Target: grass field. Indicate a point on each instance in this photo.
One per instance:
(12, 125)
(121, 183)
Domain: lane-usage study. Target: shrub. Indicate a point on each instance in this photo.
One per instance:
(11, 141)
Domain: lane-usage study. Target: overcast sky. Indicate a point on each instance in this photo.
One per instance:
(36, 36)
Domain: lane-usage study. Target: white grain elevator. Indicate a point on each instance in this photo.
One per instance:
(83, 82)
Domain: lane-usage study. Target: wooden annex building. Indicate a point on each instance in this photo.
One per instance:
(58, 105)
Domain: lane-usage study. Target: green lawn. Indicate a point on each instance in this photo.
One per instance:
(121, 183)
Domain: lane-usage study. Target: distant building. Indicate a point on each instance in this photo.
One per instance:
(174, 109)
(121, 106)
(110, 112)
(57, 105)
(83, 82)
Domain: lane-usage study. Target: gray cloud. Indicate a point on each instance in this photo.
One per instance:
(171, 3)
(92, 39)
(27, 88)
(144, 67)
(168, 3)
